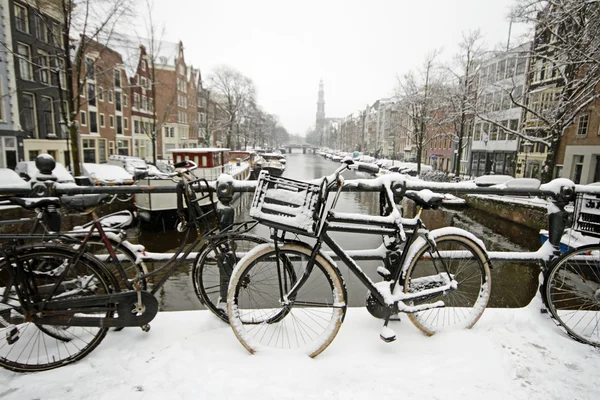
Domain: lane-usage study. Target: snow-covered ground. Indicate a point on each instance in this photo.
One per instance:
(509, 354)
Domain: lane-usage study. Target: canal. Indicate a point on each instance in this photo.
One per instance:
(513, 285)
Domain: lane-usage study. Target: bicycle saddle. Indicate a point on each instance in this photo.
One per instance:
(425, 198)
(81, 202)
(31, 203)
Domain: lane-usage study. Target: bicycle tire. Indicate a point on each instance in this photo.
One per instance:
(210, 283)
(572, 290)
(464, 304)
(33, 350)
(260, 322)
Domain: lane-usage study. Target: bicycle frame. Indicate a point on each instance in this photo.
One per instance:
(392, 225)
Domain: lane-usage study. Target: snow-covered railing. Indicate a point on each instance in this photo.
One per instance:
(398, 184)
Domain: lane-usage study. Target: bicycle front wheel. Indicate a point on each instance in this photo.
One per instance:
(573, 293)
(26, 346)
(263, 318)
(211, 280)
(467, 264)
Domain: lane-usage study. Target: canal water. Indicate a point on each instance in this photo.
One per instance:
(513, 285)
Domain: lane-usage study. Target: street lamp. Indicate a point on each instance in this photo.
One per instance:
(527, 145)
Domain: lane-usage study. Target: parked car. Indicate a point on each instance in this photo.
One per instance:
(29, 172)
(107, 174)
(134, 165)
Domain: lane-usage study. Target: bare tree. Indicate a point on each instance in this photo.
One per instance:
(460, 92)
(415, 95)
(564, 72)
(94, 21)
(231, 91)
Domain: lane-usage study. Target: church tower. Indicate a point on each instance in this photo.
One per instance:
(320, 121)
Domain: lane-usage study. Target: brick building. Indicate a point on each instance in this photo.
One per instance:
(105, 109)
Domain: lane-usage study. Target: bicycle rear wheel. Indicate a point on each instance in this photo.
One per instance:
(27, 346)
(572, 291)
(468, 265)
(262, 320)
(211, 281)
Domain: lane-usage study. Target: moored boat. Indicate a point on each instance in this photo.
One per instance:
(161, 208)
(272, 163)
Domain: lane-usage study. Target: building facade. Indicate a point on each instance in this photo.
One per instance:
(494, 149)
(11, 138)
(39, 78)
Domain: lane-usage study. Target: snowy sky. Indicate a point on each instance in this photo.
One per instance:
(357, 47)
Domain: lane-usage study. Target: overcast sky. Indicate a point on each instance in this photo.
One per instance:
(357, 47)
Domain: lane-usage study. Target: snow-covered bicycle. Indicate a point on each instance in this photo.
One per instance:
(441, 279)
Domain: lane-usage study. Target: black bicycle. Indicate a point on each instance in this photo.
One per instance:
(57, 301)
(441, 279)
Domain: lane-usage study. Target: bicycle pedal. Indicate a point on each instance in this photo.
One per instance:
(395, 317)
(12, 336)
(387, 334)
(146, 327)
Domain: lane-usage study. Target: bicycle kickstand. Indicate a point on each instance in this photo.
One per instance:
(387, 334)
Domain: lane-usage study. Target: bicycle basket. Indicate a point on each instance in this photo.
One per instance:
(586, 215)
(288, 204)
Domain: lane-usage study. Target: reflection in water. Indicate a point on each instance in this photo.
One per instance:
(513, 285)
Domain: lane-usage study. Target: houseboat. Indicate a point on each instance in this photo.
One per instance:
(161, 208)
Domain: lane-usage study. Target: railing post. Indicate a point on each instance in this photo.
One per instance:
(225, 211)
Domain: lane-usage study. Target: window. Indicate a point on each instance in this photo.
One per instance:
(41, 31)
(117, 78)
(57, 35)
(143, 82)
(125, 123)
(93, 121)
(111, 148)
(21, 19)
(28, 115)
(123, 147)
(102, 150)
(136, 100)
(102, 122)
(510, 67)
(100, 94)
(124, 100)
(111, 120)
(24, 55)
(582, 126)
(501, 70)
(110, 96)
(48, 114)
(60, 64)
(89, 68)
(577, 168)
(2, 113)
(144, 102)
(143, 65)
(118, 101)
(136, 126)
(119, 125)
(44, 65)
(33, 154)
(91, 94)
(521, 64)
(83, 119)
(89, 150)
